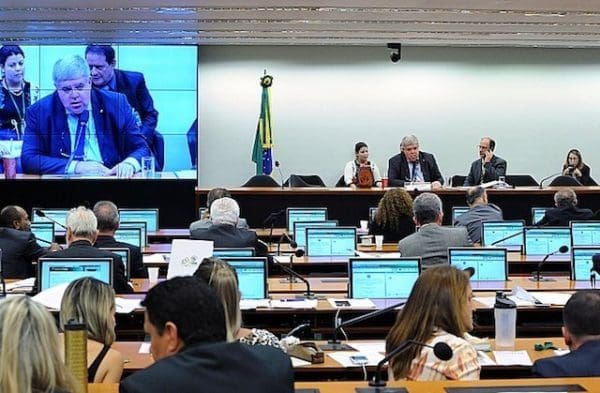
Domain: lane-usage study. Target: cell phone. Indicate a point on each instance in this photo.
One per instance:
(342, 303)
(359, 359)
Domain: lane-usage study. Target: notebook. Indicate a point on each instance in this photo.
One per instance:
(43, 231)
(457, 211)
(581, 262)
(328, 242)
(490, 264)
(294, 214)
(233, 252)
(252, 276)
(141, 225)
(545, 240)
(382, 278)
(511, 231)
(149, 216)
(124, 254)
(55, 271)
(585, 233)
(300, 229)
(131, 236)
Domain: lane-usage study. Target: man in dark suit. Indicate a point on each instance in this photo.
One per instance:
(186, 324)
(581, 331)
(107, 215)
(479, 211)
(412, 165)
(81, 235)
(76, 130)
(488, 167)
(566, 210)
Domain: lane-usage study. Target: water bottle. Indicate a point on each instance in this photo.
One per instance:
(505, 316)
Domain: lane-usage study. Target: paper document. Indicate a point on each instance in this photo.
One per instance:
(512, 358)
(252, 304)
(553, 298)
(343, 358)
(377, 254)
(51, 297)
(294, 303)
(299, 362)
(156, 258)
(126, 306)
(21, 286)
(352, 304)
(368, 346)
(186, 256)
(144, 348)
(484, 359)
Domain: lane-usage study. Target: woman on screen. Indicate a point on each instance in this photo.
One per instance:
(92, 302)
(361, 172)
(30, 359)
(575, 167)
(223, 278)
(394, 216)
(438, 310)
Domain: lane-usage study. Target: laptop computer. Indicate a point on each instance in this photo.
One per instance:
(585, 233)
(131, 236)
(545, 240)
(233, 252)
(124, 254)
(252, 276)
(149, 216)
(537, 213)
(331, 242)
(43, 231)
(57, 214)
(457, 211)
(300, 229)
(382, 278)
(137, 224)
(56, 271)
(492, 233)
(581, 262)
(490, 265)
(294, 214)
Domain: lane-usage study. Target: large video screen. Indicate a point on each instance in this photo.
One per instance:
(81, 129)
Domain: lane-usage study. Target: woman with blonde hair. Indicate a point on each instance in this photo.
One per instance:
(438, 310)
(394, 216)
(92, 302)
(30, 359)
(222, 277)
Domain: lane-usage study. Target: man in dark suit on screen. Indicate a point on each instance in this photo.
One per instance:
(488, 167)
(413, 165)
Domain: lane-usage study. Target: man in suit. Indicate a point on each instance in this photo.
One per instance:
(432, 240)
(479, 211)
(581, 331)
(108, 218)
(566, 210)
(412, 165)
(488, 167)
(225, 214)
(76, 130)
(81, 235)
(186, 324)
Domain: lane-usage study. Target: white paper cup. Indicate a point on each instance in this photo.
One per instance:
(364, 225)
(379, 242)
(153, 274)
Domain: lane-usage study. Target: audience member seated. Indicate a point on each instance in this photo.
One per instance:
(438, 309)
(432, 240)
(205, 221)
(30, 359)
(108, 218)
(225, 214)
(581, 331)
(91, 302)
(223, 278)
(488, 167)
(393, 219)
(412, 165)
(479, 211)
(187, 341)
(575, 167)
(566, 210)
(361, 172)
(81, 235)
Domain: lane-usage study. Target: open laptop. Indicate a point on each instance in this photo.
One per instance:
(300, 229)
(252, 276)
(57, 214)
(325, 243)
(382, 278)
(545, 240)
(585, 233)
(131, 236)
(537, 213)
(137, 224)
(492, 232)
(457, 211)
(294, 214)
(56, 271)
(43, 231)
(124, 254)
(490, 265)
(149, 216)
(581, 262)
(233, 252)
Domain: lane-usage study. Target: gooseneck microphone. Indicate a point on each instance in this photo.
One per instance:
(549, 177)
(506, 238)
(40, 213)
(270, 220)
(278, 166)
(537, 275)
(293, 243)
(308, 294)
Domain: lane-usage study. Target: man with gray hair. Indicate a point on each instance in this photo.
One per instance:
(81, 235)
(225, 214)
(566, 210)
(412, 165)
(76, 130)
(432, 240)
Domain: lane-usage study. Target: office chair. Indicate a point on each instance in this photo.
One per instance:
(341, 182)
(565, 181)
(521, 180)
(261, 181)
(458, 180)
(304, 181)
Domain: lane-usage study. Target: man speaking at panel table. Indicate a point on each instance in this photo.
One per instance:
(413, 165)
(76, 130)
(488, 167)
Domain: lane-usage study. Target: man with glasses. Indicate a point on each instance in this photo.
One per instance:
(488, 167)
(76, 130)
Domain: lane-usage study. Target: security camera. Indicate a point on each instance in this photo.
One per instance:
(395, 54)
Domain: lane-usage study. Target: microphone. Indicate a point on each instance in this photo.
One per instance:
(470, 270)
(537, 274)
(441, 350)
(297, 329)
(278, 166)
(309, 294)
(549, 177)
(40, 213)
(507, 238)
(293, 243)
(335, 345)
(272, 217)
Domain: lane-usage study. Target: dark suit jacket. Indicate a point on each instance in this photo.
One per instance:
(228, 236)
(398, 170)
(216, 368)
(47, 141)
(136, 262)
(19, 250)
(561, 216)
(496, 167)
(84, 249)
(584, 362)
(585, 178)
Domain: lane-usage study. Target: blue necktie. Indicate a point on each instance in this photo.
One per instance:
(78, 151)
(414, 171)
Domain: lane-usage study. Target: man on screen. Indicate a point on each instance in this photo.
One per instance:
(77, 130)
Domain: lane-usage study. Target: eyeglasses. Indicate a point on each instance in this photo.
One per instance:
(69, 89)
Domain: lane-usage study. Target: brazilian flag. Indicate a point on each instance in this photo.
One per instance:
(263, 141)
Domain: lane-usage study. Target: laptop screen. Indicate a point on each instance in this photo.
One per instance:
(585, 233)
(490, 264)
(149, 216)
(457, 211)
(537, 213)
(304, 214)
(582, 262)
(58, 215)
(124, 254)
(233, 252)
(327, 242)
(55, 271)
(141, 225)
(383, 278)
(543, 241)
(131, 236)
(252, 276)
(494, 231)
(43, 231)
(300, 229)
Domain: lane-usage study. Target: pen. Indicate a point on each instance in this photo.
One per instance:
(292, 300)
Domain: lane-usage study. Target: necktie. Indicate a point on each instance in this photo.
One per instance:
(78, 151)
(414, 171)
(482, 172)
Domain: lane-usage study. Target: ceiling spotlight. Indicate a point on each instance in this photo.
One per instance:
(395, 54)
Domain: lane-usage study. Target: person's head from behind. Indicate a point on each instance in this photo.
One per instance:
(581, 318)
(476, 196)
(440, 299)
(71, 77)
(223, 278)
(30, 359)
(15, 217)
(225, 211)
(91, 302)
(180, 312)
(565, 198)
(216, 193)
(410, 147)
(12, 65)
(107, 215)
(81, 225)
(427, 208)
(361, 151)
(102, 62)
(395, 204)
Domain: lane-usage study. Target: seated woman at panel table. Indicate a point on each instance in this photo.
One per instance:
(92, 302)
(575, 167)
(222, 277)
(361, 172)
(438, 310)
(394, 216)
(30, 359)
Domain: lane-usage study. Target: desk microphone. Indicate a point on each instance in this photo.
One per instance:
(278, 166)
(293, 243)
(507, 238)
(40, 213)
(537, 276)
(270, 220)
(549, 177)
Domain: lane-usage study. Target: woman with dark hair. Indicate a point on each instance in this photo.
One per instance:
(575, 167)
(393, 218)
(361, 172)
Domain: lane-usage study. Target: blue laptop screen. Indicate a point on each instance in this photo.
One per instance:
(130, 236)
(582, 262)
(543, 241)
(585, 233)
(537, 213)
(43, 231)
(149, 216)
(494, 231)
(252, 277)
(300, 229)
(327, 242)
(294, 215)
(141, 225)
(54, 271)
(489, 264)
(379, 278)
(233, 252)
(458, 211)
(58, 215)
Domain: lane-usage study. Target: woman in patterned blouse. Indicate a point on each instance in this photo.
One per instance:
(438, 310)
